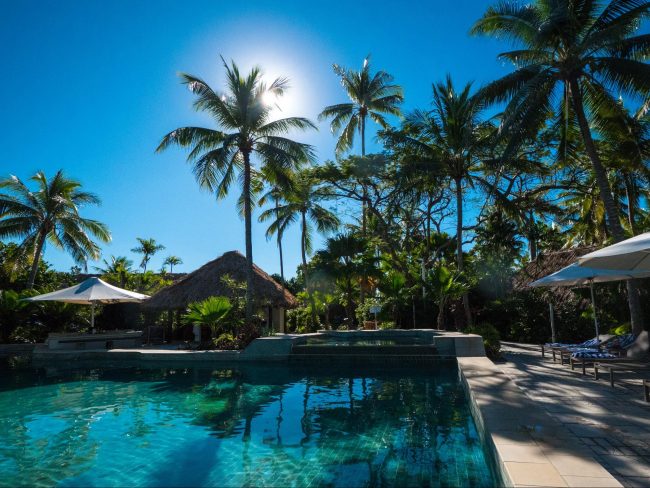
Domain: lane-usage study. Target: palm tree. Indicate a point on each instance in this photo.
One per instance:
(347, 260)
(147, 247)
(50, 213)
(118, 266)
(371, 95)
(452, 137)
(244, 129)
(302, 202)
(582, 55)
(172, 261)
(277, 192)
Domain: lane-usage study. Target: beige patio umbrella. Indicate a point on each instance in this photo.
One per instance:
(631, 255)
(90, 292)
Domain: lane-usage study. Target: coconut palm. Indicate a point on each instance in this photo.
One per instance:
(244, 129)
(172, 261)
(50, 214)
(278, 190)
(452, 137)
(572, 58)
(371, 96)
(118, 267)
(303, 203)
(147, 247)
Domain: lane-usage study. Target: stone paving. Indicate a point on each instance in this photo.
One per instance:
(612, 423)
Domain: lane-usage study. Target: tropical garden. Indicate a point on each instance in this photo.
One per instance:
(428, 229)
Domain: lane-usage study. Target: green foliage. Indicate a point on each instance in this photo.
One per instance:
(622, 329)
(299, 321)
(386, 325)
(212, 312)
(363, 310)
(491, 338)
(22, 321)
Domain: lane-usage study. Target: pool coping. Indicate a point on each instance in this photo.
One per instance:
(529, 447)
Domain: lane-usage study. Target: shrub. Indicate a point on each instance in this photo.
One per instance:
(213, 312)
(622, 329)
(299, 321)
(491, 339)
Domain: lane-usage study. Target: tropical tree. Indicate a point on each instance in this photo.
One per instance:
(371, 96)
(118, 267)
(50, 213)
(276, 194)
(452, 136)
(303, 203)
(347, 261)
(148, 248)
(172, 261)
(572, 59)
(446, 285)
(244, 130)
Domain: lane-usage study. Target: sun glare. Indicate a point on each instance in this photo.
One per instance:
(269, 99)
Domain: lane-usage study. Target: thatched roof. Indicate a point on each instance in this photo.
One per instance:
(544, 265)
(206, 282)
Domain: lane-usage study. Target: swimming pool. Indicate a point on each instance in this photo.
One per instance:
(250, 425)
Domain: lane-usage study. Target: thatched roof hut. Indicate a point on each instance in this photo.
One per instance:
(207, 281)
(544, 265)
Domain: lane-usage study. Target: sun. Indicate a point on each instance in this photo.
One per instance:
(269, 99)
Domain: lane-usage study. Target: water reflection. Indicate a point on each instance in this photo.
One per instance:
(244, 426)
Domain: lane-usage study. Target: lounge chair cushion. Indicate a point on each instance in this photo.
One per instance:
(588, 343)
(591, 354)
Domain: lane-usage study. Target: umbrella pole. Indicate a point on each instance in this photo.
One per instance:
(92, 316)
(552, 317)
(593, 306)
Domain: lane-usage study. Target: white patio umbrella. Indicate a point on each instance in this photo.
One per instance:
(575, 275)
(90, 292)
(631, 254)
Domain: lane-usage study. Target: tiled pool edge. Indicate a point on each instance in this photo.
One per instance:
(529, 448)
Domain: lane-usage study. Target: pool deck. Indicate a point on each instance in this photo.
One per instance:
(531, 448)
(612, 425)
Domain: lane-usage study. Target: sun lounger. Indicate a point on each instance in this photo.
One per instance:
(555, 346)
(614, 349)
(622, 366)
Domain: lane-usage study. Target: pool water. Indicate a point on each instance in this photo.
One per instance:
(239, 426)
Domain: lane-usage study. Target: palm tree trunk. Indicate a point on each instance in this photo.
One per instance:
(630, 194)
(364, 210)
(441, 313)
(303, 250)
(37, 259)
(615, 226)
(277, 204)
(459, 244)
(249, 238)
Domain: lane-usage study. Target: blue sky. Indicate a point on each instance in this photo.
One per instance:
(91, 87)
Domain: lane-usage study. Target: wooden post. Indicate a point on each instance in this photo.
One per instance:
(552, 316)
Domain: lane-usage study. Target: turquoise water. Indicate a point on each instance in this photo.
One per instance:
(245, 426)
